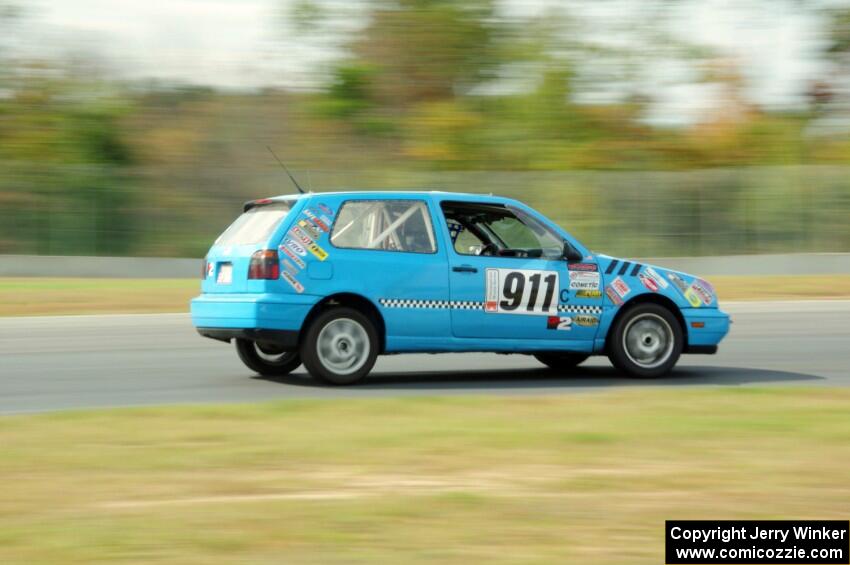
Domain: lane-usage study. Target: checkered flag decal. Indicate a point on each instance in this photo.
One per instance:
(431, 304)
(580, 309)
(455, 228)
(468, 305)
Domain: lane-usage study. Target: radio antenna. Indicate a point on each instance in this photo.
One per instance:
(292, 178)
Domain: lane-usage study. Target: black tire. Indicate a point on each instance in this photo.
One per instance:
(266, 359)
(326, 355)
(561, 361)
(659, 356)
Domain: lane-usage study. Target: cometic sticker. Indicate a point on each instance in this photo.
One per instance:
(584, 280)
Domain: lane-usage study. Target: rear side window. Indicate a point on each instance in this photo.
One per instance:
(388, 225)
(255, 225)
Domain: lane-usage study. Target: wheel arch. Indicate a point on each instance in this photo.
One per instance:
(650, 298)
(350, 300)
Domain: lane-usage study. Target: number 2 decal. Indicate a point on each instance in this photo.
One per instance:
(511, 291)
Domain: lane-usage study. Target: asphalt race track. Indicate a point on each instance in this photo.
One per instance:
(57, 363)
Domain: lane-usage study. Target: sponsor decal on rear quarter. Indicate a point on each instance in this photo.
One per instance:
(296, 247)
(320, 253)
(285, 275)
(582, 267)
(291, 254)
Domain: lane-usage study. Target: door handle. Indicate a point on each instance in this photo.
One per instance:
(465, 269)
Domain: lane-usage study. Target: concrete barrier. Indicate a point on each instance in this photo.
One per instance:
(151, 267)
(99, 267)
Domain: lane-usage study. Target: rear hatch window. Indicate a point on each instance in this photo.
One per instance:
(230, 256)
(255, 225)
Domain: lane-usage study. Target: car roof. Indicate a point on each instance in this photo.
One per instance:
(441, 195)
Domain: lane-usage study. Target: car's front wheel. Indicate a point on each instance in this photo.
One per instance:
(267, 359)
(646, 341)
(340, 346)
(561, 361)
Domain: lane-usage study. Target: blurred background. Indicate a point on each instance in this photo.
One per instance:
(645, 127)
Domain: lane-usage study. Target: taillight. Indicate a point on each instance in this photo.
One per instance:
(265, 264)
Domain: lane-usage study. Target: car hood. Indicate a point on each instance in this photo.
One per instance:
(623, 279)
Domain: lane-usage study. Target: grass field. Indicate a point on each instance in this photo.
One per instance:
(54, 296)
(585, 478)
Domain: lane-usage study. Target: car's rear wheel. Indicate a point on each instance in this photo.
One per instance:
(267, 359)
(646, 341)
(561, 361)
(340, 346)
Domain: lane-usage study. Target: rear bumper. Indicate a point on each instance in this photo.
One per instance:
(284, 338)
(250, 312)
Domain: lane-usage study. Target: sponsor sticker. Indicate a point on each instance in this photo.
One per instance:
(620, 287)
(300, 235)
(585, 320)
(491, 299)
(320, 253)
(648, 282)
(327, 210)
(285, 275)
(582, 267)
(289, 267)
(311, 229)
(291, 254)
(210, 269)
(296, 247)
(707, 286)
(678, 282)
(613, 296)
(584, 280)
(693, 297)
(559, 323)
(659, 280)
(704, 290)
(319, 222)
(588, 294)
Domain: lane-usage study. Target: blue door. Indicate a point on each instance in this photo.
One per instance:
(508, 278)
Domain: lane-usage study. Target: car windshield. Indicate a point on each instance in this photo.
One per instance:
(255, 225)
(491, 229)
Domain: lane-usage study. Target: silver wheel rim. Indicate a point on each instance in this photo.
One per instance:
(271, 355)
(648, 340)
(343, 346)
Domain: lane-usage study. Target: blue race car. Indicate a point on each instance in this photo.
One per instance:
(332, 280)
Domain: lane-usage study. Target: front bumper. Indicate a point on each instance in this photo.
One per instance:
(706, 328)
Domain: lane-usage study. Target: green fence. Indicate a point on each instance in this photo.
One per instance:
(178, 212)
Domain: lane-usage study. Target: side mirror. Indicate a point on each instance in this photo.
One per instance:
(571, 254)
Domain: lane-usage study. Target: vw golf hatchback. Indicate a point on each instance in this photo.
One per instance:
(333, 280)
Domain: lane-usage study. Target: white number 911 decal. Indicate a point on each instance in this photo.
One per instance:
(510, 291)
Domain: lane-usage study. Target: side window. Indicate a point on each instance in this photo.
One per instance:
(497, 230)
(389, 225)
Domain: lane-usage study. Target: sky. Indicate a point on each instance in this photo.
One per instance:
(250, 43)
